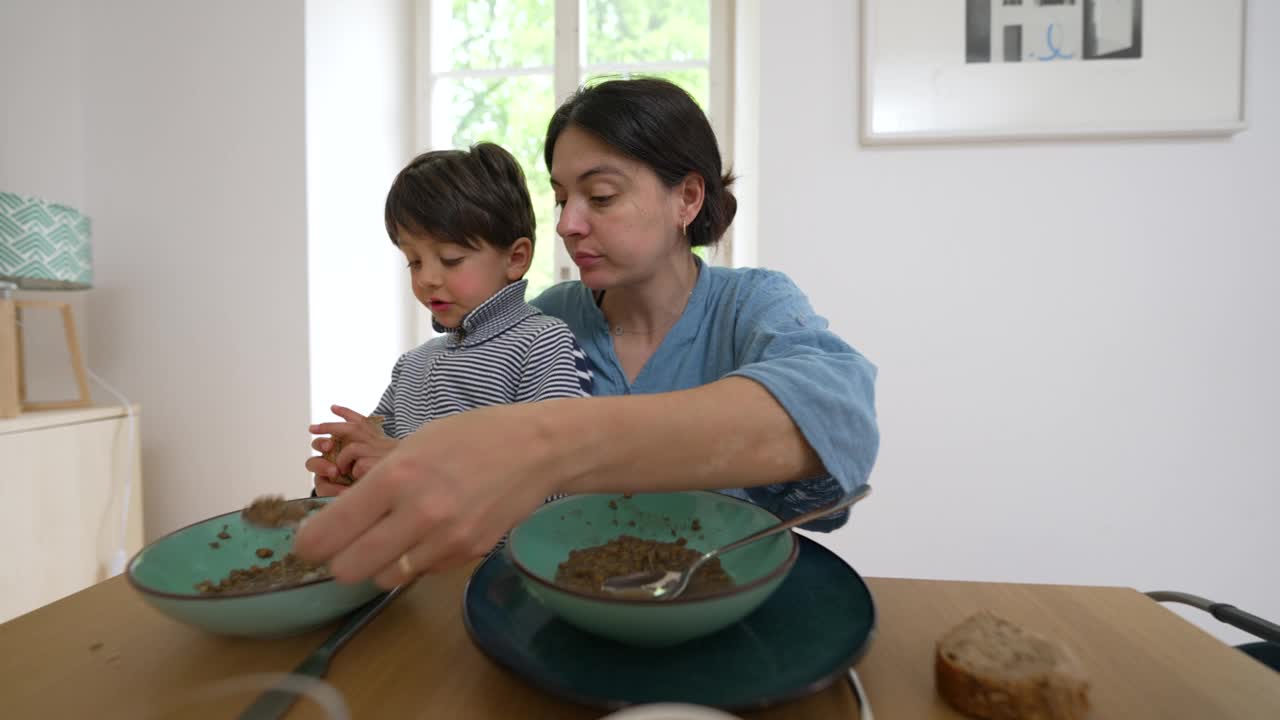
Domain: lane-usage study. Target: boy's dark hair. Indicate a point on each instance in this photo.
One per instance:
(659, 124)
(463, 197)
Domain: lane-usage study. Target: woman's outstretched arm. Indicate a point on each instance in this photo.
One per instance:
(452, 489)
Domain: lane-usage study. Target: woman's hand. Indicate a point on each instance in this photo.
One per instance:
(443, 496)
(363, 446)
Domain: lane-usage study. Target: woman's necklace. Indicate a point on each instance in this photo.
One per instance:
(619, 331)
(674, 316)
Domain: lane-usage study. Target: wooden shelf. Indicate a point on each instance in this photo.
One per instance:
(40, 419)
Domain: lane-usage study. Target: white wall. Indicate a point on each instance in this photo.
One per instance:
(42, 100)
(194, 173)
(42, 154)
(359, 124)
(192, 134)
(1077, 341)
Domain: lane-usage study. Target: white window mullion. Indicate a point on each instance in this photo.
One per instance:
(721, 100)
(424, 85)
(495, 73)
(745, 133)
(422, 82)
(568, 60)
(645, 67)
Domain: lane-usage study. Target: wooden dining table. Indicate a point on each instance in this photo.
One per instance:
(104, 653)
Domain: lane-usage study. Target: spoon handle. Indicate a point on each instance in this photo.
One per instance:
(821, 512)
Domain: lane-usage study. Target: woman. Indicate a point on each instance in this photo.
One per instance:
(705, 377)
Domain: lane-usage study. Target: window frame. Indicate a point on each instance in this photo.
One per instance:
(566, 71)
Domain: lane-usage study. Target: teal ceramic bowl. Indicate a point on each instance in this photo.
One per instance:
(165, 574)
(539, 544)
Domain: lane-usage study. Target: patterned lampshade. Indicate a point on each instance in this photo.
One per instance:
(43, 245)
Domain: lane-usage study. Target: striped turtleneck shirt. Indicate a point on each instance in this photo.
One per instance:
(505, 351)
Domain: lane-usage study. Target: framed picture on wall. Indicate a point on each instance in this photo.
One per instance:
(947, 70)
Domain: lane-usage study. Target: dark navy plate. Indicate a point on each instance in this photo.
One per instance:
(804, 637)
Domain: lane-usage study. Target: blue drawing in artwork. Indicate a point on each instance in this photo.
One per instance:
(1055, 52)
(1040, 31)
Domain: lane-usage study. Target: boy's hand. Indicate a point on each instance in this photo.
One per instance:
(362, 444)
(323, 470)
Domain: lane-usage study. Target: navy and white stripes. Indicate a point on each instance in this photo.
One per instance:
(506, 351)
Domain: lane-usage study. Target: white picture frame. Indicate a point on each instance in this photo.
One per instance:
(1069, 69)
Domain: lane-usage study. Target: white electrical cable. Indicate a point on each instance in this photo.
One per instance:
(115, 565)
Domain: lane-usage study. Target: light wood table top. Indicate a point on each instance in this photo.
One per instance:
(415, 660)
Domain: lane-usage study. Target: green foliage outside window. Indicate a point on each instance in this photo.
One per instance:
(513, 110)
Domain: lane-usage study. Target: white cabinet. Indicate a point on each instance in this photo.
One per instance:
(63, 475)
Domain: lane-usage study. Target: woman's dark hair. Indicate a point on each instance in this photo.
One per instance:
(462, 197)
(659, 124)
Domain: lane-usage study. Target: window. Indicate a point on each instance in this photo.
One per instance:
(497, 69)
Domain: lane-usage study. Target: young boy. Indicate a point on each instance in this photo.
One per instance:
(464, 221)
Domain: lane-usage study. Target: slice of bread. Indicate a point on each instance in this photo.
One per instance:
(987, 667)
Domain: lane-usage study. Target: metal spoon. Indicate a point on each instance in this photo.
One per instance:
(669, 584)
